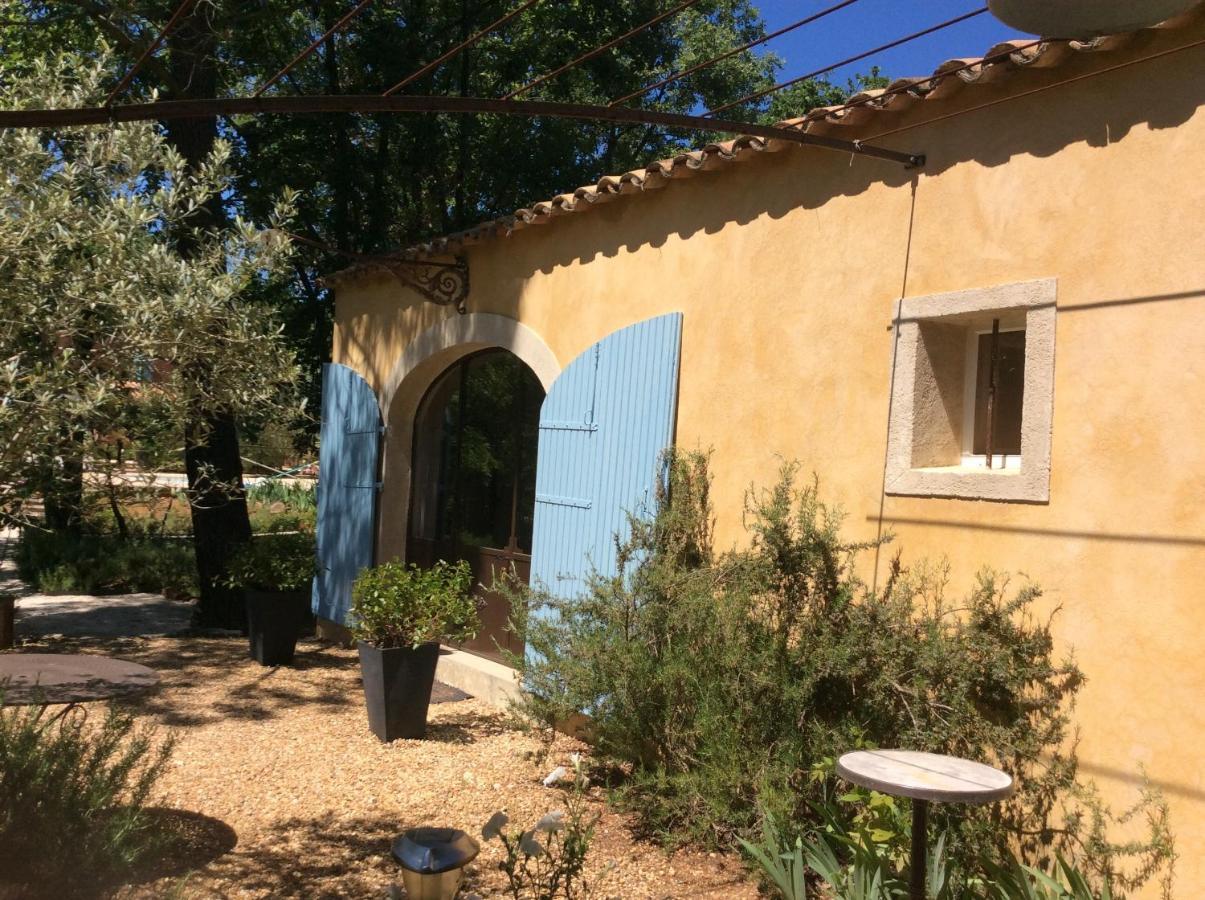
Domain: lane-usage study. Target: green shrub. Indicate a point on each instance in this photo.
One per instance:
(548, 861)
(72, 798)
(852, 868)
(716, 683)
(292, 495)
(398, 605)
(57, 562)
(273, 562)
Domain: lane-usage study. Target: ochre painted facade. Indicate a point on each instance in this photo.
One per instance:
(788, 267)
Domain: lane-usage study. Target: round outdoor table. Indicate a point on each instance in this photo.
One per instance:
(924, 777)
(51, 679)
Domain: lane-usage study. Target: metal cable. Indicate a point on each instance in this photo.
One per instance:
(1039, 89)
(312, 47)
(911, 85)
(461, 46)
(597, 50)
(181, 10)
(676, 76)
(757, 95)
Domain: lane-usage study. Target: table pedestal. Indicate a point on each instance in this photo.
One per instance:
(920, 850)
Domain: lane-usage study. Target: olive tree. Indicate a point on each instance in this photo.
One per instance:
(110, 270)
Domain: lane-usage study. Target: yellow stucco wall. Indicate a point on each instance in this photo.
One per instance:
(787, 268)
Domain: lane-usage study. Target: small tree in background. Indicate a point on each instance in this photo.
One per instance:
(95, 293)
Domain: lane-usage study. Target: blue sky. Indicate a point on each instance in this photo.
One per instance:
(871, 23)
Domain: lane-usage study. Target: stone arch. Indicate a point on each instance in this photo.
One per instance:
(425, 359)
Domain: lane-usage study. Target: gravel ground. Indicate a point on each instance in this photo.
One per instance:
(283, 792)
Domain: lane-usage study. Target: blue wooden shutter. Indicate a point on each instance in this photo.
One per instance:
(347, 487)
(603, 427)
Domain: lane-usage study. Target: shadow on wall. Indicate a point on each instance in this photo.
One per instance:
(1159, 94)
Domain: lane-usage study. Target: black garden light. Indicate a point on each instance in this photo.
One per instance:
(433, 861)
(1085, 18)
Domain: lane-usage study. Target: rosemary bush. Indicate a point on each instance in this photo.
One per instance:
(720, 682)
(72, 798)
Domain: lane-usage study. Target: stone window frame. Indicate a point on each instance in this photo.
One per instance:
(928, 389)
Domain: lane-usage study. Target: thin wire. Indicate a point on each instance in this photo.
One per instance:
(911, 85)
(1039, 90)
(461, 46)
(183, 8)
(597, 50)
(676, 76)
(756, 95)
(312, 47)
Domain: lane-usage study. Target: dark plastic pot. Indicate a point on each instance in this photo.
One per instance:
(397, 688)
(273, 624)
(7, 622)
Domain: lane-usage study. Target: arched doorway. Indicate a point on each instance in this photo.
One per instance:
(474, 475)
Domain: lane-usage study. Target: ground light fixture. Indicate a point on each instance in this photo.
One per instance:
(1085, 18)
(433, 861)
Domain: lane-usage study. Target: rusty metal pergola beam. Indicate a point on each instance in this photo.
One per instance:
(373, 103)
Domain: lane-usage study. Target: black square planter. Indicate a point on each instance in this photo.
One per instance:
(273, 623)
(397, 688)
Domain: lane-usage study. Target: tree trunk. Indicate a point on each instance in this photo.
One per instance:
(220, 521)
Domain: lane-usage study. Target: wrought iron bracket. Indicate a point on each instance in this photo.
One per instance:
(445, 284)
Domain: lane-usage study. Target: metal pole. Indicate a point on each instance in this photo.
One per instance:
(993, 379)
(920, 849)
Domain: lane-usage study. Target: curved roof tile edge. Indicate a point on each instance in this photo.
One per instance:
(947, 80)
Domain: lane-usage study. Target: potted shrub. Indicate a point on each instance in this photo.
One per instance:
(275, 572)
(399, 613)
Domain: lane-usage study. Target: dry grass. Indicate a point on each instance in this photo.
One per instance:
(289, 795)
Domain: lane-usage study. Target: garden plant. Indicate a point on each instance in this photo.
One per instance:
(73, 798)
(719, 685)
(548, 861)
(399, 613)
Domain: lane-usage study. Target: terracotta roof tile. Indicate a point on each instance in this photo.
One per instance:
(947, 80)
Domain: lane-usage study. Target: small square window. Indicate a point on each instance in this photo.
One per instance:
(972, 394)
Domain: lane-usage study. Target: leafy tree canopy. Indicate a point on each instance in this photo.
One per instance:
(95, 294)
(369, 183)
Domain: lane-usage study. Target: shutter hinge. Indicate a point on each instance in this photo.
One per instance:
(568, 426)
(576, 502)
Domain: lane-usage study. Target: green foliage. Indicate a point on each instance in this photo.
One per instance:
(72, 798)
(273, 562)
(290, 495)
(548, 862)
(64, 563)
(852, 868)
(718, 682)
(400, 605)
(95, 287)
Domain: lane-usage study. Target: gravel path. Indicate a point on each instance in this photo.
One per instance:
(288, 795)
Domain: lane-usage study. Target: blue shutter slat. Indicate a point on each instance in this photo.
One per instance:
(347, 487)
(603, 427)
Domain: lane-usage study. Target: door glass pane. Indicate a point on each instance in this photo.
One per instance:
(475, 455)
(1010, 392)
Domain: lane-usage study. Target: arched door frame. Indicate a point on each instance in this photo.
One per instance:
(425, 359)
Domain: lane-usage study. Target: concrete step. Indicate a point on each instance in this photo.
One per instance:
(485, 679)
